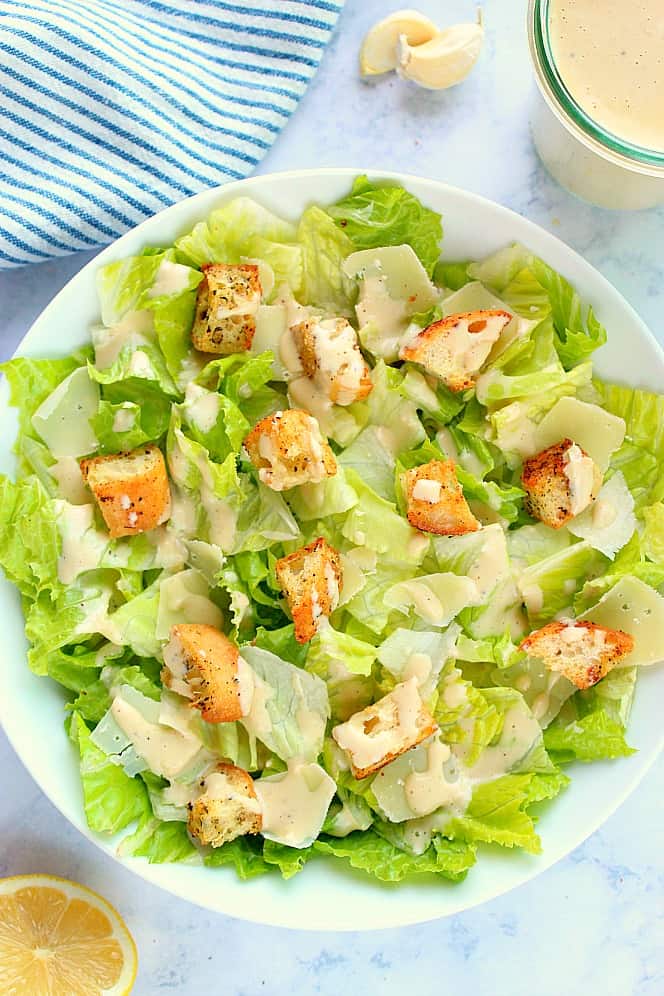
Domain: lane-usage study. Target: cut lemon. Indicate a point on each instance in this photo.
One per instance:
(58, 938)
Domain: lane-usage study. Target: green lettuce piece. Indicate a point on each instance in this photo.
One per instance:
(549, 585)
(122, 284)
(535, 542)
(497, 813)
(94, 699)
(369, 852)
(653, 533)
(108, 426)
(330, 645)
(228, 431)
(591, 725)
(29, 538)
(282, 643)
(158, 841)
(242, 229)
(111, 798)
(498, 650)
(368, 606)
(289, 860)
(376, 524)
(52, 623)
(641, 456)
(375, 215)
(243, 379)
(332, 496)
(344, 663)
(500, 268)
(324, 248)
(575, 340)
(451, 275)
(534, 290)
(139, 375)
(244, 854)
(293, 695)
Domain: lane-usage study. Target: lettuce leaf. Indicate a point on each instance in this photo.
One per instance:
(591, 725)
(111, 798)
(29, 538)
(240, 230)
(324, 248)
(385, 215)
(498, 811)
(371, 853)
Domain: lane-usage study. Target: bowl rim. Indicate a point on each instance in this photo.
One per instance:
(114, 251)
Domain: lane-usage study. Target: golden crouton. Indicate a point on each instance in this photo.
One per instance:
(310, 578)
(131, 489)
(435, 500)
(455, 348)
(226, 808)
(560, 482)
(204, 665)
(228, 299)
(331, 358)
(582, 651)
(381, 732)
(287, 449)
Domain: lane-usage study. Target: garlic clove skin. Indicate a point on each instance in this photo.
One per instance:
(444, 60)
(379, 48)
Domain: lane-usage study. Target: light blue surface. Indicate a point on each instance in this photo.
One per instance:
(592, 924)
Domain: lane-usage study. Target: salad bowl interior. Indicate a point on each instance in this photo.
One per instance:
(327, 895)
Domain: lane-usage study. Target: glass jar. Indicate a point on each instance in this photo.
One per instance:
(590, 161)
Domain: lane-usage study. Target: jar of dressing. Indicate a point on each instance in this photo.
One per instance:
(598, 112)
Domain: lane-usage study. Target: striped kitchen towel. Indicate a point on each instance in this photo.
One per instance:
(112, 109)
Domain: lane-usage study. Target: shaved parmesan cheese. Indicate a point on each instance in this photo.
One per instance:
(610, 522)
(635, 608)
(596, 431)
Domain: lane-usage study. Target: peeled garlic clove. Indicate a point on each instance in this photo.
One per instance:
(444, 60)
(379, 48)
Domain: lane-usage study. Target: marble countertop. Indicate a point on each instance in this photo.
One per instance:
(589, 924)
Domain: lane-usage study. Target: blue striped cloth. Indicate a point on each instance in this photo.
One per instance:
(113, 109)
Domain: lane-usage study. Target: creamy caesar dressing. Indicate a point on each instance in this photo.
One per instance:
(294, 803)
(217, 785)
(427, 790)
(533, 598)
(376, 305)
(420, 782)
(467, 344)
(418, 666)
(82, 544)
(67, 473)
(136, 328)
(202, 407)
(257, 721)
(382, 729)
(609, 55)
(580, 473)
(125, 418)
(140, 365)
(340, 372)
(516, 433)
(520, 732)
(183, 597)
(424, 601)
(165, 751)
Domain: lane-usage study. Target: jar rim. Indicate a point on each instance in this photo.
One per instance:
(542, 54)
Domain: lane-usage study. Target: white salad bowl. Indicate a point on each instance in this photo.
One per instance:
(326, 895)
